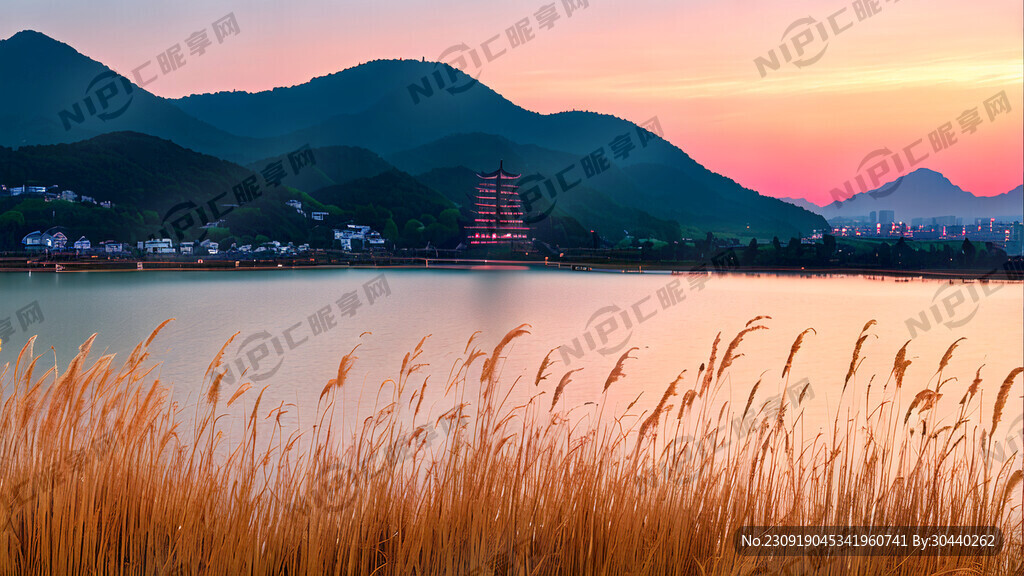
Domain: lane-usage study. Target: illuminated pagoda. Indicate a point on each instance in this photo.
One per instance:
(499, 212)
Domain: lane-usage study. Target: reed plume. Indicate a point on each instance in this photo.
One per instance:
(566, 378)
(730, 356)
(1004, 391)
(794, 349)
(545, 363)
(948, 356)
(711, 366)
(617, 372)
(856, 353)
(490, 363)
(926, 399)
(973, 388)
(347, 361)
(900, 365)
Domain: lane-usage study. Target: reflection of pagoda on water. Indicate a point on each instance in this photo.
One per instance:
(499, 212)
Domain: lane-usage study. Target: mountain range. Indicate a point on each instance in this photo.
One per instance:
(426, 119)
(922, 194)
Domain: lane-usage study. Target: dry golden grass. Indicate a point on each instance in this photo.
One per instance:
(101, 472)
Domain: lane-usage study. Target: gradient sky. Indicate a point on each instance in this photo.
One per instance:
(886, 81)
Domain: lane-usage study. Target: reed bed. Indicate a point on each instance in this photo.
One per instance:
(102, 472)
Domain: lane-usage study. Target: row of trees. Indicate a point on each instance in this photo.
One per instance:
(829, 252)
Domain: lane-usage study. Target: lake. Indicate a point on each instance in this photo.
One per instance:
(295, 325)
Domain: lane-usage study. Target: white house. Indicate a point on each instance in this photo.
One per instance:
(83, 244)
(111, 247)
(157, 246)
(210, 246)
(33, 241)
(186, 248)
(319, 216)
(57, 240)
(357, 232)
(67, 195)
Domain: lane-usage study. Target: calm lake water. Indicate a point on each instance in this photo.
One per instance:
(295, 326)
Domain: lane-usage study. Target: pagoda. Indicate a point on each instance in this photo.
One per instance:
(499, 212)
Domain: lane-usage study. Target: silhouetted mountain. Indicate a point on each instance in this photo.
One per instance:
(44, 78)
(928, 194)
(393, 190)
(621, 196)
(803, 203)
(334, 165)
(456, 183)
(392, 107)
(123, 167)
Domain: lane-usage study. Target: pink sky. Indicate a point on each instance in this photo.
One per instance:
(885, 81)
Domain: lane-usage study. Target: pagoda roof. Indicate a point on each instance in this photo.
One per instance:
(500, 170)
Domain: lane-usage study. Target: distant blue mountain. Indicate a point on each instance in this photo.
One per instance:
(927, 194)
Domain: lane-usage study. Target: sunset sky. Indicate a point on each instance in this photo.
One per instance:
(885, 81)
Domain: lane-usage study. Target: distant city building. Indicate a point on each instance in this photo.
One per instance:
(499, 212)
(1015, 239)
(886, 217)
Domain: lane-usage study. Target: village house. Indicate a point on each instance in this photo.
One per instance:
(210, 246)
(157, 246)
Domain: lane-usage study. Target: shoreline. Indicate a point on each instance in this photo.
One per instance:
(680, 268)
